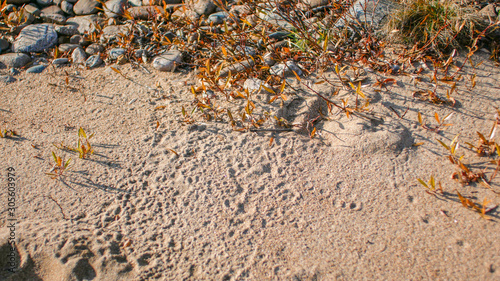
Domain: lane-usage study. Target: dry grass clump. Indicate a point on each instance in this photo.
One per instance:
(434, 25)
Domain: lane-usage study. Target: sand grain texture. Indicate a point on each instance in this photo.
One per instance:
(345, 205)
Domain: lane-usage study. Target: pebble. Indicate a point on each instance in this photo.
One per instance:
(44, 2)
(66, 30)
(247, 51)
(93, 61)
(114, 8)
(269, 59)
(16, 60)
(52, 10)
(67, 7)
(236, 67)
(53, 18)
(93, 49)
(168, 60)
(218, 18)
(7, 79)
(78, 56)
(35, 38)
(285, 69)
(84, 24)
(36, 69)
(255, 84)
(67, 47)
(78, 39)
(144, 12)
(86, 7)
(116, 52)
(60, 61)
(279, 35)
(111, 32)
(135, 3)
(204, 7)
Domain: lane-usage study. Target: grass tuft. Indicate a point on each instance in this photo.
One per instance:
(437, 26)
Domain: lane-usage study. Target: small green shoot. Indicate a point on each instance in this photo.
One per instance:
(59, 167)
(431, 187)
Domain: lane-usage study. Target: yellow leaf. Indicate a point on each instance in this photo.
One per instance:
(224, 51)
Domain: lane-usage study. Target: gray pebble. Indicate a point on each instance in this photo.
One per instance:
(67, 47)
(36, 69)
(167, 61)
(116, 52)
(93, 61)
(79, 56)
(60, 61)
(286, 70)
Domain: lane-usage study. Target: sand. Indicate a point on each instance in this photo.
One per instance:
(345, 205)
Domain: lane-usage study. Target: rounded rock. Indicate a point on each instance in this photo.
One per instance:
(35, 38)
(14, 60)
(167, 61)
(36, 69)
(93, 61)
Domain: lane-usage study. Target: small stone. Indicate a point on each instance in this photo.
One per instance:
(32, 9)
(255, 85)
(53, 18)
(27, 18)
(308, 4)
(217, 18)
(168, 60)
(114, 8)
(4, 45)
(7, 79)
(240, 10)
(247, 50)
(93, 61)
(79, 56)
(67, 30)
(86, 7)
(85, 24)
(52, 10)
(144, 12)
(269, 59)
(44, 2)
(60, 61)
(237, 67)
(114, 31)
(279, 35)
(36, 69)
(135, 3)
(35, 38)
(203, 7)
(160, 2)
(67, 7)
(78, 39)
(116, 52)
(67, 47)
(93, 49)
(285, 69)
